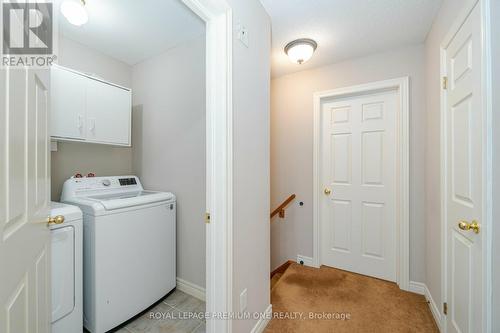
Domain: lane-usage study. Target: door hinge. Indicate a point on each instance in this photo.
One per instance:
(445, 82)
(207, 218)
(445, 308)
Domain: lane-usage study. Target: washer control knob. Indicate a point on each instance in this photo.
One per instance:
(106, 182)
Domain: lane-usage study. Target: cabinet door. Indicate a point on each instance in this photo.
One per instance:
(68, 104)
(108, 113)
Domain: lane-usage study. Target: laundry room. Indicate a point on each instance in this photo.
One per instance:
(128, 147)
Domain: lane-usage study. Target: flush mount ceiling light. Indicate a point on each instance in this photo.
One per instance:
(75, 12)
(300, 50)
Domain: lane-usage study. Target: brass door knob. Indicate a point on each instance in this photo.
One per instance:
(464, 225)
(55, 220)
(327, 191)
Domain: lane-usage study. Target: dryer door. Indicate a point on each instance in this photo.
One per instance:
(63, 272)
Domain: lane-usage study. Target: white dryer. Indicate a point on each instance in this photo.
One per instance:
(66, 257)
(129, 247)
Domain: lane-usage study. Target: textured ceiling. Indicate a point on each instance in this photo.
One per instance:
(346, 28)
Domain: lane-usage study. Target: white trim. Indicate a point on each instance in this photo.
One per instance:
(308, 261)
(443, 166)
(403, 144)
(263, 320)
(436, 313)
(421, 289)
(417, 287)
(486, 97)
(191, 289)
(219, 130)
(487, 69)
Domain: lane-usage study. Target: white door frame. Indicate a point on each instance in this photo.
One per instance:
(487, 211)
(403, 147)
(219, 150)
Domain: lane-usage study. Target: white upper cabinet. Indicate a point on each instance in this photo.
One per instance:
(68, 104)
(108, 113)
(88, 109)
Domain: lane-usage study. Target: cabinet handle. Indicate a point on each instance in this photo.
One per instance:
(92, 125)
(80, 122)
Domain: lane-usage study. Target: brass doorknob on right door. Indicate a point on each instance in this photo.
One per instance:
(327, 191)
(464, 225)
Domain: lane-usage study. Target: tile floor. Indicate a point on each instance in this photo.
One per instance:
(164, 317)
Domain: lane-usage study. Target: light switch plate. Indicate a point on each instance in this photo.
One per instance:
(243, 34)
(53, 145)
(243, 300)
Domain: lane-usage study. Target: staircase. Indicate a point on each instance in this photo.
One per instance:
(278, 273)
(280, 211)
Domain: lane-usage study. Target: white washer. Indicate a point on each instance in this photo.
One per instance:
(129, 247)
(66, 256)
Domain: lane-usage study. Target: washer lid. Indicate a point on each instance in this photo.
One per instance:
(70, 213)
(115, 200)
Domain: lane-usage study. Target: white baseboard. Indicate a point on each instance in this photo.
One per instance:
(263, 320)
(436, 313)
(308, 261)
(421, 288)
(417, 287)
(191, 289)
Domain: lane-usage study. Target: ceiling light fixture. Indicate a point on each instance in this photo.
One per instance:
(75, 12)
(300, 50)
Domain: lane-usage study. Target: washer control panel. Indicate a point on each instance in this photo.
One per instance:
(86, 186)
(127, 181)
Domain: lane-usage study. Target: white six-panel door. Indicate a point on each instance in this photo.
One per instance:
(358, 173)
(464, 178)
(24, 201)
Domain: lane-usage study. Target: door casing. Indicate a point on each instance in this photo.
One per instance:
(217, 15)
(487, 213)
(401, 85)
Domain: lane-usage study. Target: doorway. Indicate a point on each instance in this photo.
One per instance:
(361, 176)
(27, 166)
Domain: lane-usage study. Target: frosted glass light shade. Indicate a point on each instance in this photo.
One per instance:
(301, 50)
(74, 12)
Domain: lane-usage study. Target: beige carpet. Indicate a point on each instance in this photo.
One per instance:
(372, 305)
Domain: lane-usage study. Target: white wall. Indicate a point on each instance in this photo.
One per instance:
(82, 58)
(445, 18)
(71, 157)
(251, 89)
(168, 136)
(292, 146)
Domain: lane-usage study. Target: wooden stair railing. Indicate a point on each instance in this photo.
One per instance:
(281, 209)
